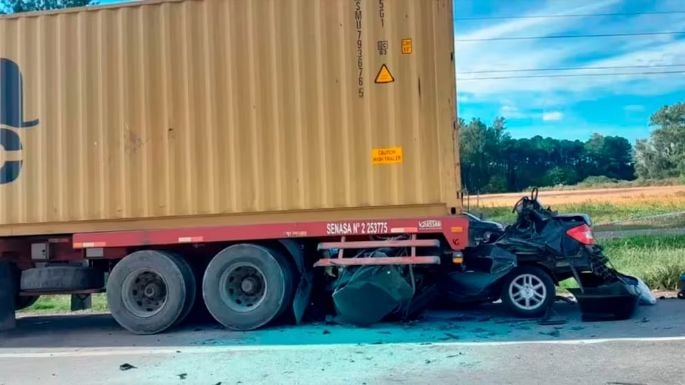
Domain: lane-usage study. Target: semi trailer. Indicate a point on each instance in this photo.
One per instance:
(224, 153)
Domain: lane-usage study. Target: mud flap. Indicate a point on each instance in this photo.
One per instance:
(8, 294)
(303, 292)
(302, 295)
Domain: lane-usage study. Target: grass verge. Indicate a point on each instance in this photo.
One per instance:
(48, 304)
(657, 260)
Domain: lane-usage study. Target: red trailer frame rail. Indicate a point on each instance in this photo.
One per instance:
(411, 259)
(453, 228)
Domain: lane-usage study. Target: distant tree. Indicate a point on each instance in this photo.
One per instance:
(560, 175)
(496, 184)
(16, 6)
(610, 156)
(480, 150)
(663, 154)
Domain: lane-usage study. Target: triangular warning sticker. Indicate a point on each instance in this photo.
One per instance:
(384, 76)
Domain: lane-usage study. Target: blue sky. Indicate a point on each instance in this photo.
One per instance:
(573, 107)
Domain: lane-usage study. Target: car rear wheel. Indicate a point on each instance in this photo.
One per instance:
(528, 291)
(148, 291)
(247, 286)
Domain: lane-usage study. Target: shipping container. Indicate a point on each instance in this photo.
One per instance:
(167, 113)
(191, 150)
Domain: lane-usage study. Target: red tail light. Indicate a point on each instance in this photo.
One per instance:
(582, 234)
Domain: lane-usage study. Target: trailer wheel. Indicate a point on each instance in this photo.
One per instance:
(247, 286)
(22, 301)
(147, 292)
(191, 285)
(528, 291)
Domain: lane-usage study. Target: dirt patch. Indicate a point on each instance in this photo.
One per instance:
(617, 195)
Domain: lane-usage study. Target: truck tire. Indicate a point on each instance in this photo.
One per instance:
(63, 278)
(528, 291)
(147, 292)
(247, 286)
(191, 285)
(22, 301)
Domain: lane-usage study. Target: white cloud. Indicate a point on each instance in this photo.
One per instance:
(634, 108)
(510, 111)
(560, 53)
(552, 116)
(521, 26)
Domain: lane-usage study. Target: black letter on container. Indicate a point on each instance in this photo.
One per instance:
(11, 115)
(10, 141)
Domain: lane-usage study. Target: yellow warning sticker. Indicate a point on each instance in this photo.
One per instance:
(387, 155)
(384, 76)
(407, 47)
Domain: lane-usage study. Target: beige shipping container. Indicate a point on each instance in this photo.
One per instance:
(171, 113)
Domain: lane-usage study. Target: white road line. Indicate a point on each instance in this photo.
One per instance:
(116, 351)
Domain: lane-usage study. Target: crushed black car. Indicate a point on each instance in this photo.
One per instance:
(520, 264)
(547, 248)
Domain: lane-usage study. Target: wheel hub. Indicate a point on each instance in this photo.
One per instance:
(250, 285)
(151, 290)
(144, 293)
(243, 287)
(527, 292)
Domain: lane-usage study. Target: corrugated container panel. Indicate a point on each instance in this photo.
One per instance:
(164, 113)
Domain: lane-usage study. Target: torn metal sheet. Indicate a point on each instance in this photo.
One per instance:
(369, 294)
(484, 267)
(612, 301)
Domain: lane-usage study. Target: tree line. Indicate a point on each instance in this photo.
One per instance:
(493, 161)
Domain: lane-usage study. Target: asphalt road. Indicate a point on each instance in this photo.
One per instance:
(483, 346)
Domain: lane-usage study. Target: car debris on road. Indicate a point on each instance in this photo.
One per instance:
(126, 366)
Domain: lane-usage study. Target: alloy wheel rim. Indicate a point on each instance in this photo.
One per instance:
(527, 292)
